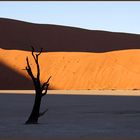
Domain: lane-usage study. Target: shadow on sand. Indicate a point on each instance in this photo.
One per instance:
(12, 80)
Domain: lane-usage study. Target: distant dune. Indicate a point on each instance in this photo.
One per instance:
(75, 58)
(53, 38)
(74, 70)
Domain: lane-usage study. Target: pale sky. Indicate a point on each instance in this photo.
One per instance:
(111, 16)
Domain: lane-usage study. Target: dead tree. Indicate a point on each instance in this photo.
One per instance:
(39, 89)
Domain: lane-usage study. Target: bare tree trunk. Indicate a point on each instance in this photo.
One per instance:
(35, 114)
(33, 119)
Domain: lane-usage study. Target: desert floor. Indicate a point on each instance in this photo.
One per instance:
(72, 114)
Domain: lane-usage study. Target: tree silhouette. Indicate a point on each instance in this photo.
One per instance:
(39, 89)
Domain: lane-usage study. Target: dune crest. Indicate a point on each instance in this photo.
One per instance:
(20, 35)
(78, 70)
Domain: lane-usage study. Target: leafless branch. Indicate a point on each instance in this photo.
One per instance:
(46, 89)
(42, 113)
(36, 61)
(48, 79)
(40, 52)
(28, 69)
(43, 86)
(33, 53)
(46, 84)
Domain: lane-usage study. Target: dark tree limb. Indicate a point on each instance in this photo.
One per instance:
(49, 79)
(28, 69)
(33, 53)
(46, 89)
(42, 113)
(40, 52)
(45, 84)
(35, 56)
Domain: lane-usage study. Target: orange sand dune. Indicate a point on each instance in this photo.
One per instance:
(76, 70)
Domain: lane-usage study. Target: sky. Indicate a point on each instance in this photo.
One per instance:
(110, 16)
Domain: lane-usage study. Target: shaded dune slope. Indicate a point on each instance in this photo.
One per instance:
(78, 70)
(11, 79)
(20, 35)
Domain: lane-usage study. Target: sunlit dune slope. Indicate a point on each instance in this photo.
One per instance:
(77, 70)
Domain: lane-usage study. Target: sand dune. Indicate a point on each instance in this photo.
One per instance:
(77, 70)
(76, 58)
(20, 35)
